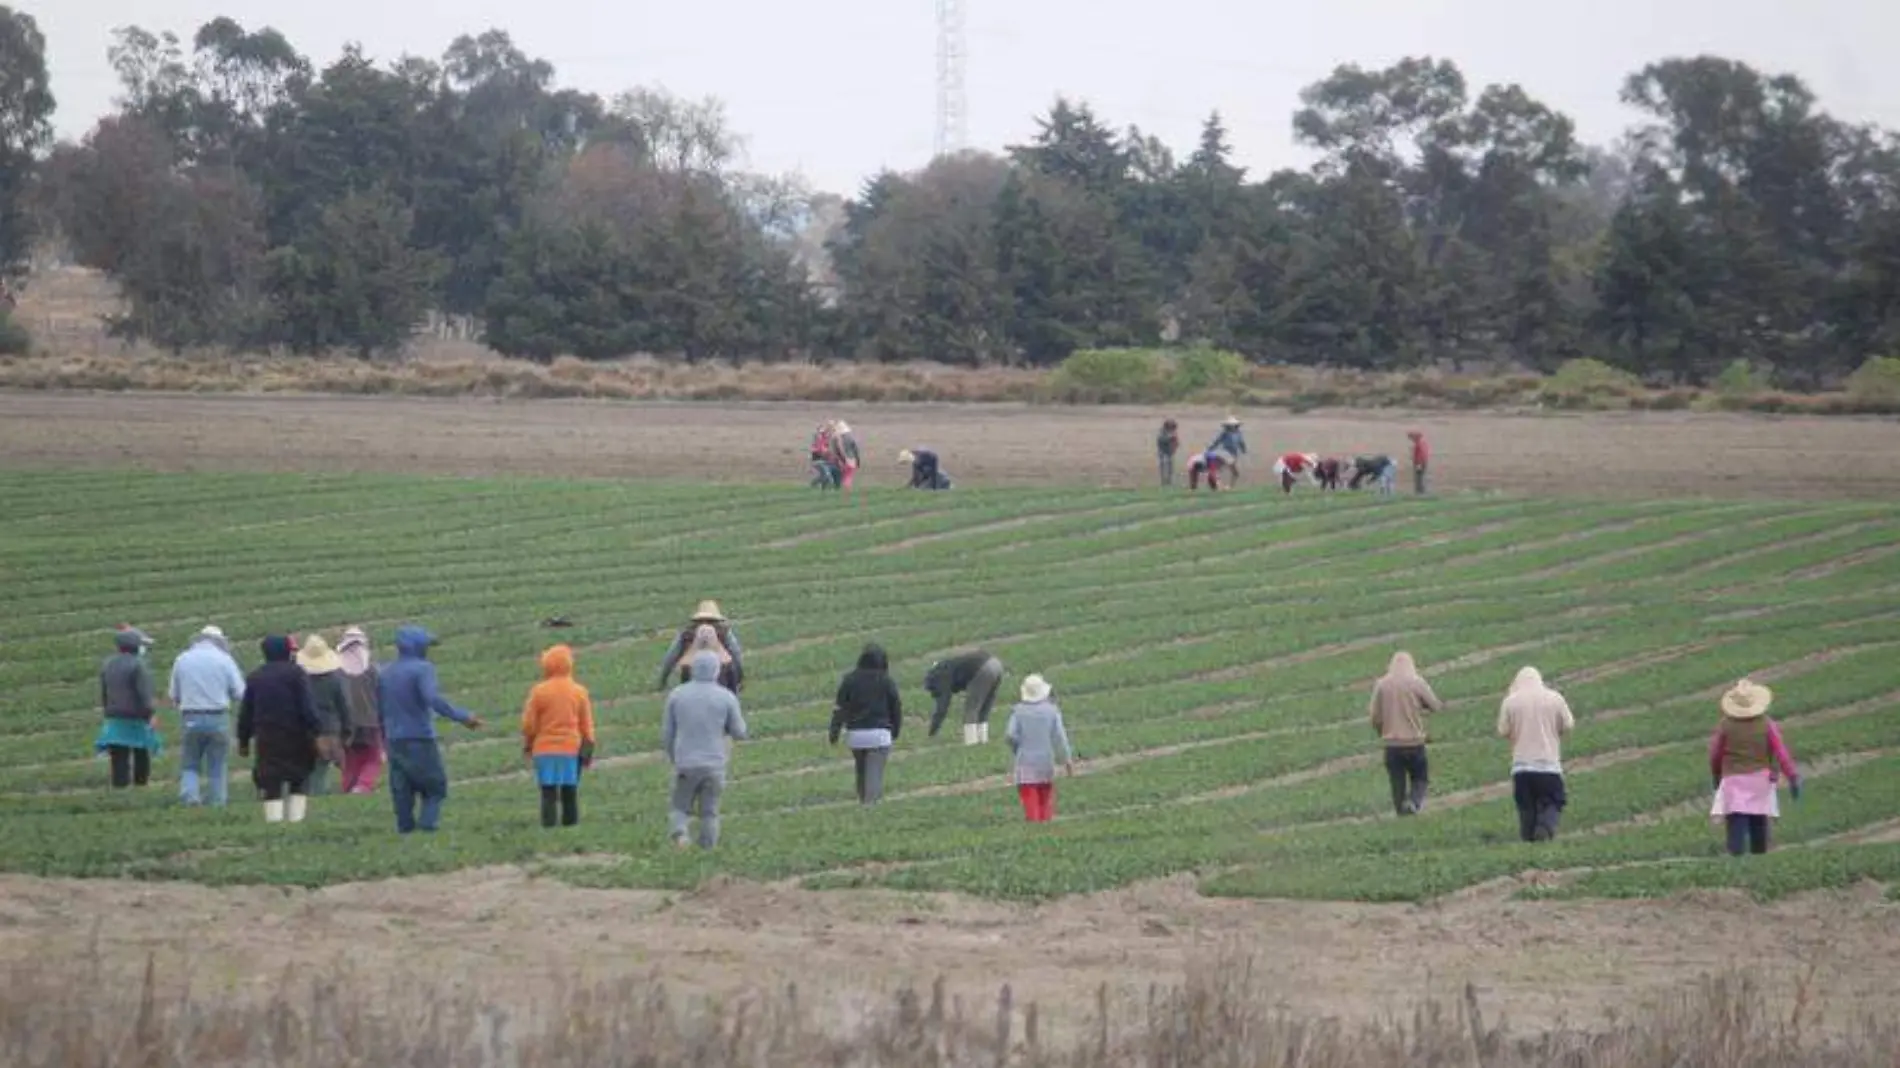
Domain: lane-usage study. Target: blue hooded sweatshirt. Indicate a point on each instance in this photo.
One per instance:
(407, 692)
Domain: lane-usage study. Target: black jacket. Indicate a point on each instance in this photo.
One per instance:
(280, 713)
(923, 469)
(952, 676)
(867, 698)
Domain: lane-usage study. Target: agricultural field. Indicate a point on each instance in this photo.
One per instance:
(1212, 655)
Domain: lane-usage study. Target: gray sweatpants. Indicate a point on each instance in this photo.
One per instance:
(697, 788)
(870, 773)
(981, 696)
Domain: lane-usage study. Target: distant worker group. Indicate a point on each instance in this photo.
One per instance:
(1221, 460)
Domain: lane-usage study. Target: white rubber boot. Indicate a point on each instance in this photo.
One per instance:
(983, 734)
(297, 806)
(969, 734)
(273, 812)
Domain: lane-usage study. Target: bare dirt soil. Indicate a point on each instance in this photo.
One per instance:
(1645, 454)
(507, 934)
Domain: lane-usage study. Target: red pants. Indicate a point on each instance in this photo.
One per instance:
(847, 471)
(362, 766)
(1039, 801)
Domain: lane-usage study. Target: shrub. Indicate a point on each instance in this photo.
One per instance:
(1109, 376)
(1741, 379)
(1593, 378)
(1876, 383)
(14, 340)
(1207, 370)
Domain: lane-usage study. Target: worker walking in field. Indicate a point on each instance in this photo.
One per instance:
(1747, 755)
(205, 683)
(279, 715)
(557, 736)
(699, 718)
(1295, 467)
(1400, 701)
(976, 675)
(732, 662)
(325, 669)
(1230, 440)
(409, 697)
(824, 467)
(1421, 460)
(1380, 469)
(129, 736)
(363, 746)
(846, 455)
(1534, 718)
(1167, 443)
(706, 640)
(1037, 741)
(868, 712)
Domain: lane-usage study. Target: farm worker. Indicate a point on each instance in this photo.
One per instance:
(1036, 739)
(557, 736)
(700, 716)
(205, 683)
(279, 713)
(1293, 467)
(1745, 753)
(706, 640)
(825, 473)
(1370, 468)
(926, 472)
(1535, 718)
(707, 614)
(1400, 701)
(1167, 443)
(1421, 459)
(1326, 472)
(1209, 463)
(325, 669)
(409, 698)
(1230, 440)
(845, 454)
(128, 737)
(869, 712)
(363, 747)
(976, 675)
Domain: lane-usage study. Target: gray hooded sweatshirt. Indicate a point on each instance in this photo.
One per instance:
(700, 716)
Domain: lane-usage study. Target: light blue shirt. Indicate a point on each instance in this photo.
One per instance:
(206, 679)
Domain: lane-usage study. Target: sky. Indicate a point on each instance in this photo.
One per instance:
(839, 89)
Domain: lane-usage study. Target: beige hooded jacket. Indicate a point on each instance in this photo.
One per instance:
(1400, 701)
(1535, 718)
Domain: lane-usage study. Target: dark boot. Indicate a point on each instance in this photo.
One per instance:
(550, 806)
(570, 805)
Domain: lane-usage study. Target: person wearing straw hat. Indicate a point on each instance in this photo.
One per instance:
(205, 683)
(845, 453)
(1230, 440)
(325, 669)
(128, 737)
(1745, 754)
(1037, 740)
(279, 714)
(732, 663)
(926, 471)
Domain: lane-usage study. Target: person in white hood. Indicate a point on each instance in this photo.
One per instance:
(1535, 718)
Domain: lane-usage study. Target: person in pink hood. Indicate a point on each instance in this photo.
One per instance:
(362, 729)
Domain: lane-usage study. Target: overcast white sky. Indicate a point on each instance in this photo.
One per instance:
(839, 88)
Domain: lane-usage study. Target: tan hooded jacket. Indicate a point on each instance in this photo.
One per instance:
(1400, 701)
(1535, 718)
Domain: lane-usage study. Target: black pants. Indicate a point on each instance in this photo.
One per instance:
(1540, 803)
(1747, 833)
(281, 787)
(564, 801)
(130, 767)
(1405, 766)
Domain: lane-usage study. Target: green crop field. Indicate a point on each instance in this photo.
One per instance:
(1212, 656)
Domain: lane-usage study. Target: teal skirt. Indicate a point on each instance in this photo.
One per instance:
(557, 770)
(130, 733)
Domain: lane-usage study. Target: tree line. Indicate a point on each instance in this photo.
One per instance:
(241, 196)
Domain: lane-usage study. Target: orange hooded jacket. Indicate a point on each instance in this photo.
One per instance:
(559, 715)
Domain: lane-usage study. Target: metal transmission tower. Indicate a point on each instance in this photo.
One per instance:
(952, 129)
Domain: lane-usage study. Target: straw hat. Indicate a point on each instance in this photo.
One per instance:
(1747, 700)
(1035, 688)
(841, 427)
(708, 612)
(215, 635)
(906, 457)
(1232, 420)
(316, 657)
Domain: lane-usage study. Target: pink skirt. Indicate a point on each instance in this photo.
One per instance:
(1752, 794)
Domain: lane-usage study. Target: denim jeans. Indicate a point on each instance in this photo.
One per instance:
(416, 771)
(205, 757)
